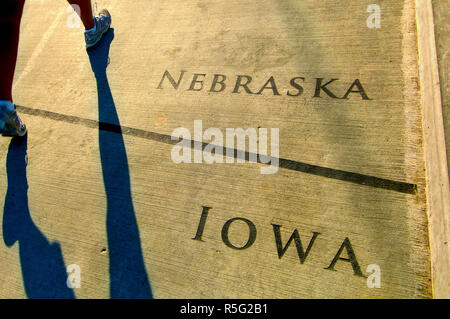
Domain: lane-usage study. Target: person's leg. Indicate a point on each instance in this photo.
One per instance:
(10, 16)
(95, 26)
(85, 12)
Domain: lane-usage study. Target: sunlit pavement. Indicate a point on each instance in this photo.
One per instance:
(101, 192)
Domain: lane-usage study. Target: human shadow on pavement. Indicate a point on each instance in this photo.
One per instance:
(128, 276)
(43, 270)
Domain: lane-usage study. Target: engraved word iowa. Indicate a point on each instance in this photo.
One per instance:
(281, 245)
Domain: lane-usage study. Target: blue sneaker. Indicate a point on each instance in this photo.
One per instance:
(10, 122)
(102, 23)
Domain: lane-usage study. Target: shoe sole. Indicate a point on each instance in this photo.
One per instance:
(6, 131)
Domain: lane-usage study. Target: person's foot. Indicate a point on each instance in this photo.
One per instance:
(10, 122)
(102, 23)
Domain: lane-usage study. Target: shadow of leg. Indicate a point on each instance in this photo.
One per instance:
(128, 277)
(43, 270)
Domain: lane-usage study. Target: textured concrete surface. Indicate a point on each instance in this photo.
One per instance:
(351, 180)
(441, 15)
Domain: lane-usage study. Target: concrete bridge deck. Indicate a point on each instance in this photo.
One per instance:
(95, 184)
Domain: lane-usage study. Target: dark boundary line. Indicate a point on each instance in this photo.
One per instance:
(355, 178)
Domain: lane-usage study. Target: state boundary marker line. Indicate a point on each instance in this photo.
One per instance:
(356, 178)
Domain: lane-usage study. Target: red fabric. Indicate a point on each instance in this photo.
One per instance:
(10, 17)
